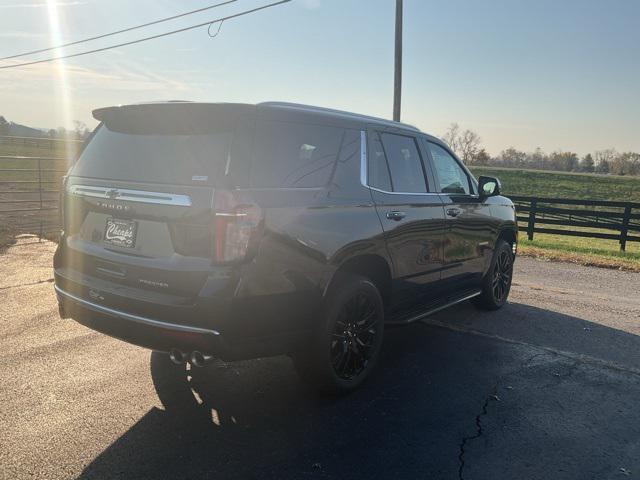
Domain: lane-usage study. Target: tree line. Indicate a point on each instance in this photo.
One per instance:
(80, 131)
(467, 145)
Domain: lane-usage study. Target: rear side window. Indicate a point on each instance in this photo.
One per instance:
(405, 163)
(451, 177)
(378, 174)
(294, 155)
(395, 164)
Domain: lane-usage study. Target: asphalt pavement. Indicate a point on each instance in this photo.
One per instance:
(547, 387)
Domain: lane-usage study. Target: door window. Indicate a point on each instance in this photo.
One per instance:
(404, 162)
(395, 164)
(451, 177)
(378, 174)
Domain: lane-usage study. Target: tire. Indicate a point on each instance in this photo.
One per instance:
(496, 283)
(346, 345)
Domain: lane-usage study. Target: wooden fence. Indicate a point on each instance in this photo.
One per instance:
(579, 218)
(37, 142)
(29, 184)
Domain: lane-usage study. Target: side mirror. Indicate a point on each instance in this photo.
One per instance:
(488, 186)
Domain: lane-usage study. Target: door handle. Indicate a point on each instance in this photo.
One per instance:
(395, 215)
(453, 212)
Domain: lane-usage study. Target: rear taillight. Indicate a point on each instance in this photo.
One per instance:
(237, 228)
(61, 198)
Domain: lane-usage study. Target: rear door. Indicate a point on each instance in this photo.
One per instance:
(470, 228)
(138, 203)
(412, 217)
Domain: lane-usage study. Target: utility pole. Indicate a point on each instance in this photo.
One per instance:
(397, 74)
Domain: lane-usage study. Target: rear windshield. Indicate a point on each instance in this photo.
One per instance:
(172, 159)
(190, 148)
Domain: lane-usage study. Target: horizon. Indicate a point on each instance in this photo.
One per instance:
(558, 77)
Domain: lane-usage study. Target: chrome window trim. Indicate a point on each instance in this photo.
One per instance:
(128, 195)
(363, 171)
(132, 317)
(363, 158)
(401, 193)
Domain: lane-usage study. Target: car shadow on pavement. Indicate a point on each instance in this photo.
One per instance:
(255, 419)
(550, 329)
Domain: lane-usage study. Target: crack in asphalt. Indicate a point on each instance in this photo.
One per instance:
(48, 280)
(478, 433)
(493, 395)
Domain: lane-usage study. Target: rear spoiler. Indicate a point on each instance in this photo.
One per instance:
(101, 114)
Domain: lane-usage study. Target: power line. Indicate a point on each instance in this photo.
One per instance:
(153, 37)
(48, 49)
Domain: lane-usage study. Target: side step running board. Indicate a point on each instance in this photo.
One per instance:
(431, 311)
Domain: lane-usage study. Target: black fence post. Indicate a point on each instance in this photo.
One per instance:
(625, 228)
(532, 218)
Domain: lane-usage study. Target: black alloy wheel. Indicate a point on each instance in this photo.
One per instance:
(354, 336)
(345, 347)
(496, 283)
(502, 272)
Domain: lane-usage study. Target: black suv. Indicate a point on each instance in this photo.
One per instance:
(238, 231)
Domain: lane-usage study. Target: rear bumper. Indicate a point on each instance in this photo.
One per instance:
(164, 335)
(143, 331)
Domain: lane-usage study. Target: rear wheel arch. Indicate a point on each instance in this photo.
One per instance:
(371, 266)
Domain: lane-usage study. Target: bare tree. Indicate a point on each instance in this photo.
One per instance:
(468, 146)
(481, 157)
(563, 161)
(4, 126)
(452, 137)
(627, 163)
(465, 144)
(80, 129)
(512, 158)
(604, 159)
(605, 155)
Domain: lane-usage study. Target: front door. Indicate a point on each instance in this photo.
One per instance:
(470, 229)
(412, 218)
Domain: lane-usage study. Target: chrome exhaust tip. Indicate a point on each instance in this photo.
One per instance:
(177, 356)
(199, 359)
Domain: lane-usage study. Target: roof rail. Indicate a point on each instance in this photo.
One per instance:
(339, 112)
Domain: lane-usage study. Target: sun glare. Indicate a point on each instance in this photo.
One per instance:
(60, 84)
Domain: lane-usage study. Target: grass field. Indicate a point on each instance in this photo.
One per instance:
(584, 251)
(26, 169)
(38, 149)
(572, 185)
(583, 186)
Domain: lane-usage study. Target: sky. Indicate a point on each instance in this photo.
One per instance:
(560, 75)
